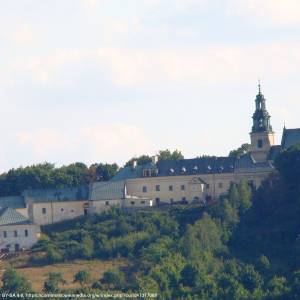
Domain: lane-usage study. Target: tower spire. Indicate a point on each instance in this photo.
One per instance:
(261, 117)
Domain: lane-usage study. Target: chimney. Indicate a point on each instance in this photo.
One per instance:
(134, 164)
(154, 159)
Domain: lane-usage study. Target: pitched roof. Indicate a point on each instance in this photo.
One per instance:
(274, 152)
(107, 190)
(246, 161)
(9, 216)
(58, 195)
(290, 137)
(12, 201)
(203, 165)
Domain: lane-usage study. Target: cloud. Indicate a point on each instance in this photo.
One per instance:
(280, 12)
(204, 65)
(99, 143)
(17, 32)
(133, 67)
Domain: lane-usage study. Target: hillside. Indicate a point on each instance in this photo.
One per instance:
(246, 246)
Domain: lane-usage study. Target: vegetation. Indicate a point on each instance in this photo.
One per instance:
(162, 155)
(245, 247)
(45, 175)
(245, 148)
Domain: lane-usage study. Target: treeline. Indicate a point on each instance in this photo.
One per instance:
(46, 175)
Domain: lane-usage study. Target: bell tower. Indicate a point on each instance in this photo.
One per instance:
(262, 135)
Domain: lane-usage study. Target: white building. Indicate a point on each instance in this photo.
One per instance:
(16, 231)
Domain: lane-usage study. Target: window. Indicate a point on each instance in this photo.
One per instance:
(171, 200)
(153, 173)
(208, 186)
(26, 232)
(183, 187)
(5, 234)
(107, 203)
(259, 144)
(72, 210)
(171, 188)
(132, 202)
(15, 233)
(183, 199)
(143, 202)
(144, 189)
(44, 211)
(157, 187)
(220, 185)
(61, 209)
(157, 200)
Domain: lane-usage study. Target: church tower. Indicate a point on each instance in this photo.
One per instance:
(262, 135)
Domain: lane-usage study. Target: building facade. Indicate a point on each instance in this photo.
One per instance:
(16, 231)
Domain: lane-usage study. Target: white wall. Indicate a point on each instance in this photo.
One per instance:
(25, 242)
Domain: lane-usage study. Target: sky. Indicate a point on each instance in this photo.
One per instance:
(106, 80)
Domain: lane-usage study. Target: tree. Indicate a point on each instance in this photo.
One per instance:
(250, 278)
(54, 279)
(14, 283)
(83, 277)
(169, 155)
(244, 149)
(114, 279)
(288, 164)
(141, 160)
(190, 274)
(245, 195)
(277, 288)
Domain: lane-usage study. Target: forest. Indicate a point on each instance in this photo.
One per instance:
(246, 246)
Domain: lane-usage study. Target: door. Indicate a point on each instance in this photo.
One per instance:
(17, 247)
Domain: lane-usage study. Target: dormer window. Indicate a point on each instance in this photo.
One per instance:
(221, 169)
(183, 170)
(150, 170)
(171, 171)
(154, 172)
(195, 169)
(208, 168)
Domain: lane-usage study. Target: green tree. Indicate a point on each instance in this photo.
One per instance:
(169, 155)
(245, 195)
(277, 288)
(14, 283)
(83, 277)
(288, 164)
(244, 149)
(115, 279)
(141, 160)
(53, 281)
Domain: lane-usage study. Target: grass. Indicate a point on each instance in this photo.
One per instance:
(37, 275)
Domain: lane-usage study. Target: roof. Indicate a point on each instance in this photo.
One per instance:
(9, 216)
(108, 190)
(58, 195)
(290, 137)
(12, 201)
(203, 165)
(274, 152)
(128, 173)
(246, 161)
